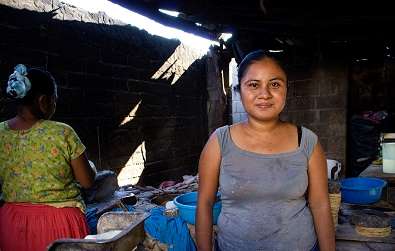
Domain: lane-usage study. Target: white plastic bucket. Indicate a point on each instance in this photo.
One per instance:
(389, 157)
(335, 166)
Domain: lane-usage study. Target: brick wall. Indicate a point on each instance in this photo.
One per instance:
(106, 77)
(317, 100)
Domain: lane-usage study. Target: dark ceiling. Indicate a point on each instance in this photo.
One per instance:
(347, 18)
(277, 22)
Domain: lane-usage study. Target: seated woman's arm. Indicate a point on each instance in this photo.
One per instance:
(83, 172)
(319, 199)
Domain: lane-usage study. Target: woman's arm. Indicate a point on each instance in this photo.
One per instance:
(83, 172)
(319, 199)
(208, 185)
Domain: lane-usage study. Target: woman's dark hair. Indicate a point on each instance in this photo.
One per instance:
(42, 83)
(253, 57)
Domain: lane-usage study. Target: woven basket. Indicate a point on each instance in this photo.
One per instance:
(334, 200)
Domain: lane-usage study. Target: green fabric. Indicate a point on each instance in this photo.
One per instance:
(35, 163)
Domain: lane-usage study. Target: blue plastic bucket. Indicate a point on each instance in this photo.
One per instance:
(186, 204)
(362, 190)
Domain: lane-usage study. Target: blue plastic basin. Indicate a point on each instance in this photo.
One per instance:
(186, 204)
(362, 190)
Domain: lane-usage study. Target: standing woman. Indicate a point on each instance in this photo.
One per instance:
(271, 174)
(41, 164)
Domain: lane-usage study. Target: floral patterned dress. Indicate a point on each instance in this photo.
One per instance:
(43, 199)
(35, 164)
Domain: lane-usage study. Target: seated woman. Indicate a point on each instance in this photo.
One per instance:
(42, 165)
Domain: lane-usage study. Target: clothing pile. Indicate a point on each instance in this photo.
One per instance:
(172, 231)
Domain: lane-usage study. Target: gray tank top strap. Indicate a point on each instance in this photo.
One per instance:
(308, 142)
(223, 138)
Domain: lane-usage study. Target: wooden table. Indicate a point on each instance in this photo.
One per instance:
(347, 239)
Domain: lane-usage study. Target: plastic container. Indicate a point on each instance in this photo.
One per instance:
(362, 190)
(186, 204)
(389, 156)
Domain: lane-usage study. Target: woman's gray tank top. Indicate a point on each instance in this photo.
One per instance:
(263, 197)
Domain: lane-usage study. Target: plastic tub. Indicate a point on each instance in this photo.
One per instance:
(362, 190)
(186, 204)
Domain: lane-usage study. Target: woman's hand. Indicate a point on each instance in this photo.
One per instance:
(319, 199)
(209, 165)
